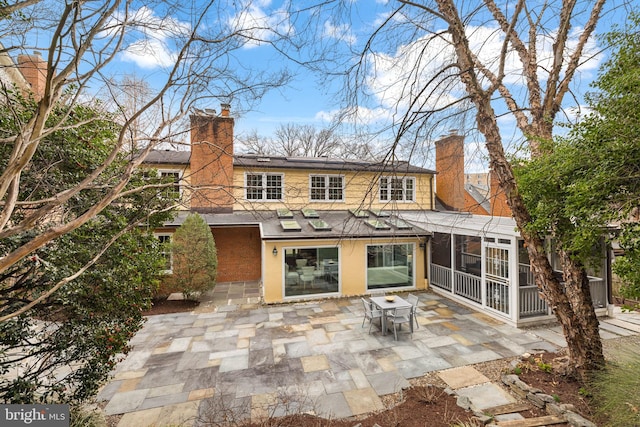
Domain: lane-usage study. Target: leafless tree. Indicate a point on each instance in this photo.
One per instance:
(294, 140)
(190, 44)
(442, 64)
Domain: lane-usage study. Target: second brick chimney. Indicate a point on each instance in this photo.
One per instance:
(450, 168)
(212, 161)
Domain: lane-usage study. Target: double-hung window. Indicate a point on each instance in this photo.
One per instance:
(171, 177)
(326, 187)
(397, 189)
(165, 250)
(263, 186)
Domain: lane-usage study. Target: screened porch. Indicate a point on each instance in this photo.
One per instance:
(481, 261)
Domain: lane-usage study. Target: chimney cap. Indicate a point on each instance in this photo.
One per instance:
(225, 109)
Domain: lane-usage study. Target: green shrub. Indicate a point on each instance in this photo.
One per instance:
(194, 257)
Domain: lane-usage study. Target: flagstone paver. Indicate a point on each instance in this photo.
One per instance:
(244, 356)
(463, 376)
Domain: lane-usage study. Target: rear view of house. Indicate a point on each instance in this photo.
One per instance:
(322, 227)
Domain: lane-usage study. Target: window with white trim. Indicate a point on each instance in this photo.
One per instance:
(326, 187)
(397, 189)
(169, 176)
(263, 186)
(165, 249)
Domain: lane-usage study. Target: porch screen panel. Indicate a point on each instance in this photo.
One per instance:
(441, 261)
(497, 275)
(389, 266)
(468, 267)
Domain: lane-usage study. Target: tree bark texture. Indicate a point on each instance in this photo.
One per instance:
(573, 308)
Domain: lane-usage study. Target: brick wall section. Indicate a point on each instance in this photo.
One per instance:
(499, 206)
(34, 69)
(239, 256)
(212, 162)
(450, 168)
(471, 205)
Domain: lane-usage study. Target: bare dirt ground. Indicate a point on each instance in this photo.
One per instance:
(164, 306)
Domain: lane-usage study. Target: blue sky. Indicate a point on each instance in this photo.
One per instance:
(306, 99)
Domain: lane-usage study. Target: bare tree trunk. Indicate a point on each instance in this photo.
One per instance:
(573, 309)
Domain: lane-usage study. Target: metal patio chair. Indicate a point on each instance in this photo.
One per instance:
(370, 313)
(399, 316)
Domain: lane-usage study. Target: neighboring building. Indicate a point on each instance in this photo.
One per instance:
(28, 75)
(475, 193)
(320, 227)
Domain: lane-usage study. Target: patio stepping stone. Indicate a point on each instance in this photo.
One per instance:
(463, 376)
(362, 401)
(487, 395)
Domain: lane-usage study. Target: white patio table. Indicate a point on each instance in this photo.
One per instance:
(385, 306)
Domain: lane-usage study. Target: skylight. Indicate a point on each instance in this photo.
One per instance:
(319, 225)
(379, 213)
(310, 213)
(359, 213)
(378, 225)
(284, 213)
(399, 223)
(290, 225)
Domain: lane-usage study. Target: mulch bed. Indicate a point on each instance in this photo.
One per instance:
(164, 306)
(421, 406)
(544, 372)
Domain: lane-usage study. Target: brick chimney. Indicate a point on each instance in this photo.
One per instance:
(212, 160)
(34, 69)
(497, 198)
(450, 168)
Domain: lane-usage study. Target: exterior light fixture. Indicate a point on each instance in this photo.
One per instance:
(275, 251)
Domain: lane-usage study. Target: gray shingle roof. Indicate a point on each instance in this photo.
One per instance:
(325, 163)
(168, 156)
(342, 224)
(281, 162)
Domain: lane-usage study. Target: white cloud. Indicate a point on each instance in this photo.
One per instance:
(396, 79)
(149, 54)
(257, 25)
(339, 32)
(392, 76)
(151, 36)
(360, 116)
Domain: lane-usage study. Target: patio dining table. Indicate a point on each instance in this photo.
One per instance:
(384, 305)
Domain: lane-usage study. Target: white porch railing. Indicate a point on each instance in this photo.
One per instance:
(530, 302)
(468, 286)
(498, 296)
(598, 292)
(441, 277)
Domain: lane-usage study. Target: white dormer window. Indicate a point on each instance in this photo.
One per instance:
(175, 176)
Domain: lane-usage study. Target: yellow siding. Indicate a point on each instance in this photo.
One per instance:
(360, 191)
(353, 264)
